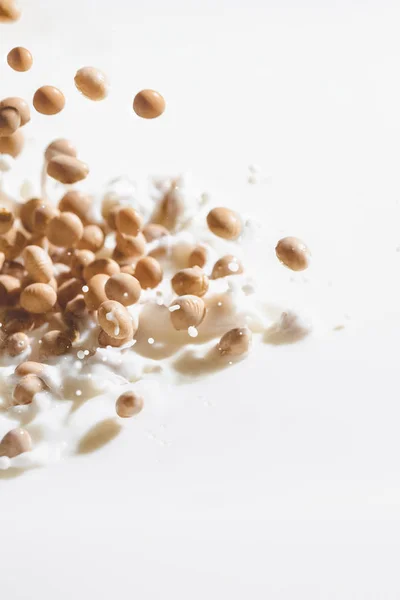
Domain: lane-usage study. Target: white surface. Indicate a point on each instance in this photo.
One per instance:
(279, 478)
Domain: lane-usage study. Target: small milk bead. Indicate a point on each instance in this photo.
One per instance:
(96, 294)
(123, 288)
(38, 298)
(115, 320)
(224, 223)
(293, 253)
(65, 230)
(148, 272)
(20, 105)
(128, 405)
(17, 441)
(60, 146)
(148, 104)
(10, 120)
(190, 281)
(92, 83)
(67, 169)
(20, 59)
(48, 100)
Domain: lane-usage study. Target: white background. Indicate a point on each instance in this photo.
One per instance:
(278, 479)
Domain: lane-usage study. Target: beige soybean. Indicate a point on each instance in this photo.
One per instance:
(227, 265)
(148, 272)
(123, 288)
(38, 298)
(6, 220)
(20, 105)
(128, 221)
(9, 11)
(67, 169)
(18, 319)
(12, 243)
(79, 260)
(12, 145)
(10, 120)
(68, 290)
(60, 146)
(76, 307)
(92, 83)
(17, 343)
(10, 288)
(191, 281)
(169, 210)
(29, 367)
(96, 294)
(77, 203)
(198, 257)
(27, 211)
(48, 100)
(128, 268)
(224, 223)
(17, 441)
(65, 230)
(153, 231)
(148, 104)
(38, 264)
(131, 246)
(115, 320)
(41, 218)
(293, 253)
(107, 266)
(92, 238)
(20, 59)
(187, 311)
(129, 404)
(26, 389)
(235, 342)
(55, 343)
(106, 340)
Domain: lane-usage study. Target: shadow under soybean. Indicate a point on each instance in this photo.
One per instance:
(99, 435)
